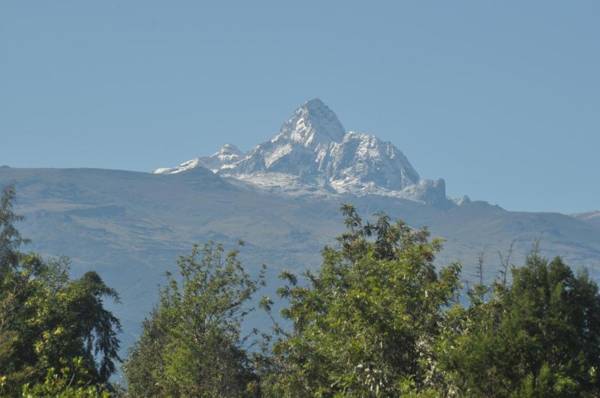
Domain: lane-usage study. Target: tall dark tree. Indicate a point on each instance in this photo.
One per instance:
(10, 238)
(50, 324)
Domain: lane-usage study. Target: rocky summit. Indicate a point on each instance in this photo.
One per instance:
(313, 154)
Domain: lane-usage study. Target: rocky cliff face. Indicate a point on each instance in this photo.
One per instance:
(313, 153)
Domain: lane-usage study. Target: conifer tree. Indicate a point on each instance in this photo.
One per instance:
(51, 327)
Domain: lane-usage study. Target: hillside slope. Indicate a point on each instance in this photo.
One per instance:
(131, 226)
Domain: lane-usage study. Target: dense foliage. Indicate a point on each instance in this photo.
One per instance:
(56, 337)
(538, 337)
(366, 324)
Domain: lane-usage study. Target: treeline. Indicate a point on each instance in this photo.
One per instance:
(378, 319)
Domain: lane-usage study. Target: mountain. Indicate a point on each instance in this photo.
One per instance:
(283, 203)
(314, 154)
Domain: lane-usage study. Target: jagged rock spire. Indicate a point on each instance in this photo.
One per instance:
(313, 123)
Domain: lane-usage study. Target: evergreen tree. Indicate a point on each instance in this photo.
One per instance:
(50, 326)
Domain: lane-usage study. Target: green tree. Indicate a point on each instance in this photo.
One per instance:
(366, 323)
(537, 337)
(48, 322)
(191, 345)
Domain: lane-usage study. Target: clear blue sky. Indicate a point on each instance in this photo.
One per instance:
(500, 98)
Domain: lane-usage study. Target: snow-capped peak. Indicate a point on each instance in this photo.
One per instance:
(312, 152)
(313, 123)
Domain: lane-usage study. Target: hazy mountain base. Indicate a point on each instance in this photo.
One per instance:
(131, 226)
(592, 218)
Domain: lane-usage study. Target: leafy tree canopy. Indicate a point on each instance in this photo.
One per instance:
(365, 324)
(537, 337)
(191, 345)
